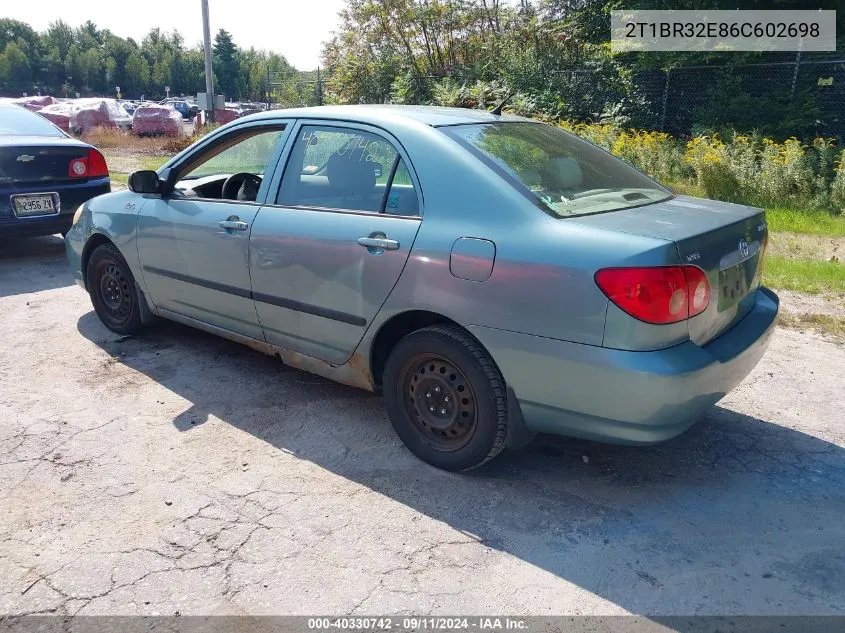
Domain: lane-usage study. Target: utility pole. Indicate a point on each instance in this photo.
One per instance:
(209, 75)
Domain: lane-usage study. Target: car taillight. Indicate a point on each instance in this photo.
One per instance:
(662, 294)
(91, 166)
(698, 287)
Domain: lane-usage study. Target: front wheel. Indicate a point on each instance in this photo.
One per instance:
(446, 398)
(112, 289)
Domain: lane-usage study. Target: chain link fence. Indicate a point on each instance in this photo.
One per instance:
(785, 98)
(294, 89)
(802, 98)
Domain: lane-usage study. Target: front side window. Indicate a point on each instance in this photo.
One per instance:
(350, 169)
(241, 159)
(565, 175)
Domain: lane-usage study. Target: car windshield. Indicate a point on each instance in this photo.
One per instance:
(16, 121)
(563, 174)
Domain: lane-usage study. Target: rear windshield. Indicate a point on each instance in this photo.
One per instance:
(15, 120)
(563, 174)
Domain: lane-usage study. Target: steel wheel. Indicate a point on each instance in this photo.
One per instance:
(445, 398)
(114, 291)
(439, 401)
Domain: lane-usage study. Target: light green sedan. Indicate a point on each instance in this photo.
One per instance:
(493, 276)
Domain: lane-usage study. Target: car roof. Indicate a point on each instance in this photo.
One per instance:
(383, 113)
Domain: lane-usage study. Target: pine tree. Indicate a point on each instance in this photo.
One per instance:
(226, 64)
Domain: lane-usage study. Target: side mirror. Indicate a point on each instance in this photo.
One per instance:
(145, 181)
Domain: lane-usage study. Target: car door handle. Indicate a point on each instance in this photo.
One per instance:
(379, 242)
(233, 225)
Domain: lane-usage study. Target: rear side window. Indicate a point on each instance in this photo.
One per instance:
(402, 197)
(19, 121)
(560, 172)
(349, 169)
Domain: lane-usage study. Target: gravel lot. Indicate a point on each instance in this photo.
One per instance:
(179, 472)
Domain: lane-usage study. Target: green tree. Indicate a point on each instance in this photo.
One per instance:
(53, 73)
(137, 74)
(110, 68)
(226, 65)
(15, 70)
(14, 31)
(60, 36)
(25, 38)
(189, 72)
(161, 75)
(91, 70)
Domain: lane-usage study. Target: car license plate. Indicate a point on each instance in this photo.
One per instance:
(735, 282)
(26, 206)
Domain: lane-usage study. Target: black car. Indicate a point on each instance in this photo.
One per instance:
(44, 174)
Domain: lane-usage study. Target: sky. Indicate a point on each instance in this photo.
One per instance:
(293, 28)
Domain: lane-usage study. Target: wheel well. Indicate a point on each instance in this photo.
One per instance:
(394, 330)
(93, 242)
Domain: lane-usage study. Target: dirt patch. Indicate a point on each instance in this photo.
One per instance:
(800, 303)
(124, 162)
(831, 327)
(800, 246)
(824, 314)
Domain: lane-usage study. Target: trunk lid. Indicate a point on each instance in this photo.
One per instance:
(723, 239)
(35, 160)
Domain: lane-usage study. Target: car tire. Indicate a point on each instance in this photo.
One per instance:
(446, 399)
(113, 291)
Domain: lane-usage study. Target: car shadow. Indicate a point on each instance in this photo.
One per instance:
(32, 264)
(738, 515)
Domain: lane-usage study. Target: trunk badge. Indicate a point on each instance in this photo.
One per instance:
(743, 248)
(25, 158)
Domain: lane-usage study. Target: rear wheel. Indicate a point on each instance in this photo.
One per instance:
(445, 398)
(112, 289)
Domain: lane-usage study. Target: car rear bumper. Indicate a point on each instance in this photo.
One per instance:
(71, 196)
(627, 397)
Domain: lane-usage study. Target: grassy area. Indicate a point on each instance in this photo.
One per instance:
(810, 276)
(685, 188)
(119, 178)
(110, 138)
(808, 222)
(782, 219)
(154, 162)
(120, 166)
